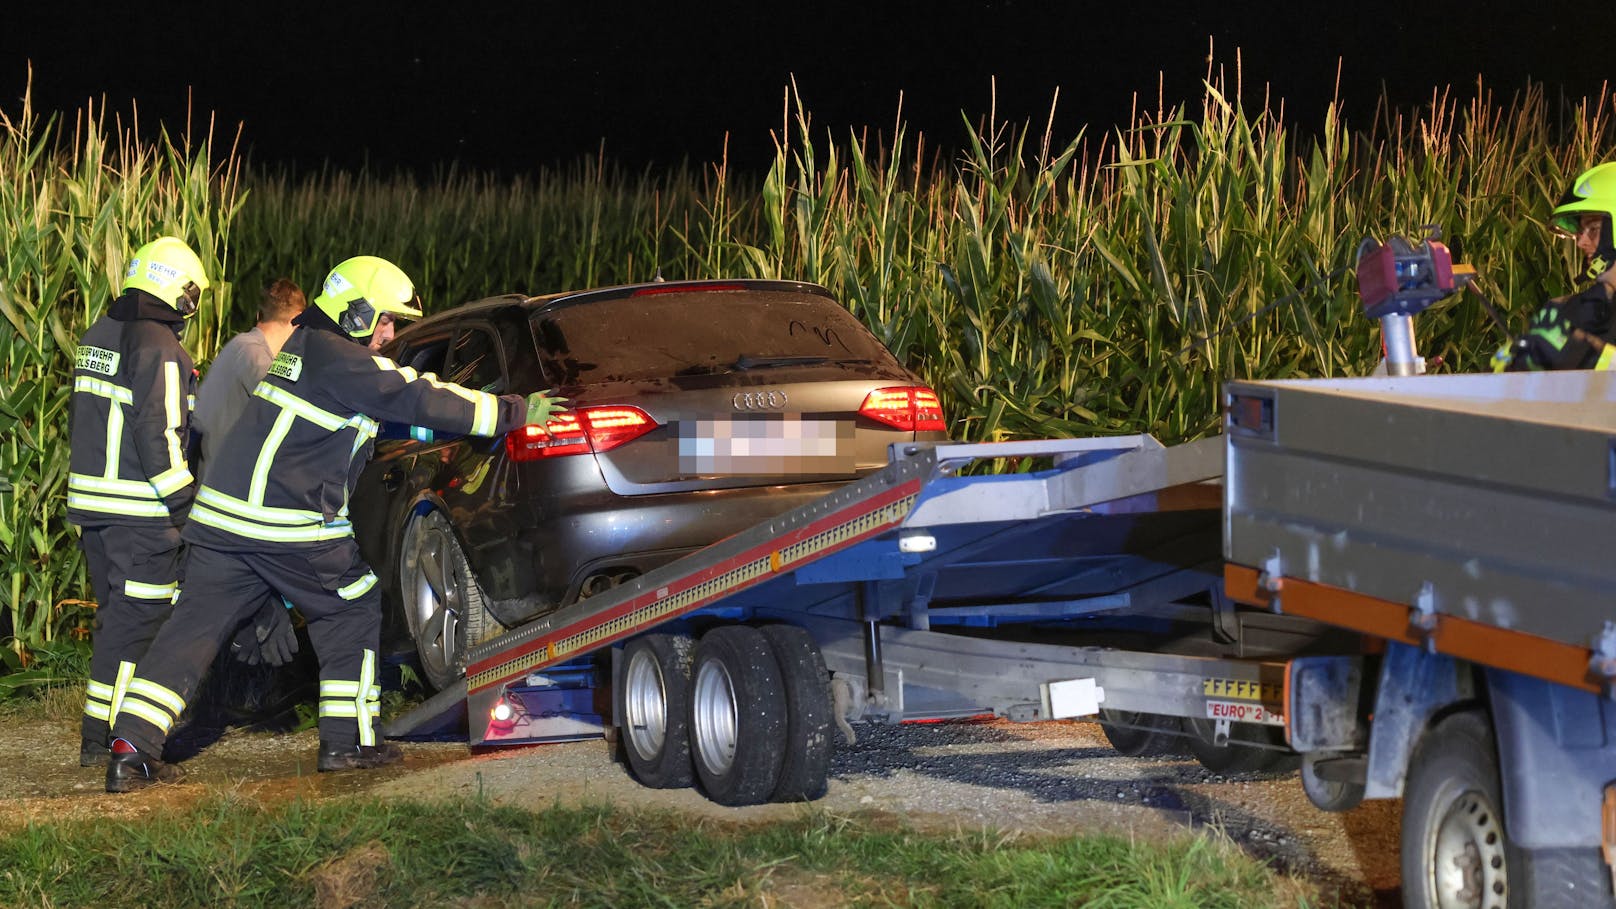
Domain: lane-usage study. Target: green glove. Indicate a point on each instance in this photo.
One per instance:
(542, 406)
(1503, 357)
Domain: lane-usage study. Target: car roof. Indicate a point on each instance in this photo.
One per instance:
(502, 304)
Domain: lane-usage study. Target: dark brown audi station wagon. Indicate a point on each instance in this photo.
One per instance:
(695, 410)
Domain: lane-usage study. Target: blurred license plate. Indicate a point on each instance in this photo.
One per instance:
(766, 444)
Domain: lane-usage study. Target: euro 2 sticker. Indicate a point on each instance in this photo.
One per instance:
(97, 359)
(286, 366)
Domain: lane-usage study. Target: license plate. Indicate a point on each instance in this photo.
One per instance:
(766, 444)
(1243, 712)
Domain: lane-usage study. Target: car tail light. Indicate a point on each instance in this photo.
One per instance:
(914, 408)
(579, 431)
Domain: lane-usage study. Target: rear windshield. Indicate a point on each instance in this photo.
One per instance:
(705, 333)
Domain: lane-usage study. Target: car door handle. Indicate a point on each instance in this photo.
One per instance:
(393, 479)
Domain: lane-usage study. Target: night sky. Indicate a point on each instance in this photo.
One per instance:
(656, 84)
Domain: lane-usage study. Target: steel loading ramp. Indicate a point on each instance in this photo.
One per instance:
(1111, 515)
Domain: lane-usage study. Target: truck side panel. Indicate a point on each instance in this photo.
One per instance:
(1485, 501)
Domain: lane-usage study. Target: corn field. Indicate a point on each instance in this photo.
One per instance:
(76, 196)
(1103, 284)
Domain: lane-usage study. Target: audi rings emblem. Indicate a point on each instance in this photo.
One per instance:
(760, 400)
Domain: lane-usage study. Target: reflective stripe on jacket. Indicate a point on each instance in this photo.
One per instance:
(133, 387)
(284, 474)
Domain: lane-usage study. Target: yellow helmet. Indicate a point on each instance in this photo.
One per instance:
(359, 290)
(1593, 193)
(167, 269)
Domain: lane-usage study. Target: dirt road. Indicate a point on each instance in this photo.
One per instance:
(1050, 778)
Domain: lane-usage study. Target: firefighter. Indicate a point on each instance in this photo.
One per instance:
(1576, 331)
(129, 484)
(272, 514)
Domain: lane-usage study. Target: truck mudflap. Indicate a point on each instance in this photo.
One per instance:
(1559, 747)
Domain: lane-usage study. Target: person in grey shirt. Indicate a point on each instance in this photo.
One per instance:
(268, 636)
(242, 362)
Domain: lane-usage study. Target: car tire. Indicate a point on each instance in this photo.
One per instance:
(737, 716)
(1453, 837)
(1158, 739)
(1234, 757)
(653, 710)
(442, 601)
(805, 769)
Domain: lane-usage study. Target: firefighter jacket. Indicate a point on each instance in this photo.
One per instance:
(133, 388)
(282, 477)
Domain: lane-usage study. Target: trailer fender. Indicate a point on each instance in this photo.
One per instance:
(1415, 686)
(1556, 753)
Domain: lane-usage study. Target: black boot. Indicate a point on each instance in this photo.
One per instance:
(130, 769)
(93, 752)
(357, 757)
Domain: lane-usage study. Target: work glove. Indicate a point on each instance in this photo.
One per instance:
(542, 406)
(267, 637)
(1549, 342)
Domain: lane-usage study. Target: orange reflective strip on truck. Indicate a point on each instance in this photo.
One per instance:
(1489, 645)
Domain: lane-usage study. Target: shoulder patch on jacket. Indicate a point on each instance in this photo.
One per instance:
(97, 359)
(286, 366)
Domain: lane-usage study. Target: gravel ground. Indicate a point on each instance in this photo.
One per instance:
(1039, 779)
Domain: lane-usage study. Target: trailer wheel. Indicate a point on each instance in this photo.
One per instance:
(1159, 739)
(806, 764)
(653, 706)
(1329, 794)
(443, 604)
(737, 715)
(1455, 851)
(1234, 757)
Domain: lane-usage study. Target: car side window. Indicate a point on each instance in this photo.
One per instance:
(425, 354)
(474, 361)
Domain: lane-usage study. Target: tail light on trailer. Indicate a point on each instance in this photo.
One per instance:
(580, 431)
(502, 717)
(913, 408)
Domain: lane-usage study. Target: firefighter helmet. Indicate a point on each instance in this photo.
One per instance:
(167, 269)
(1593, 193)
(359, 290)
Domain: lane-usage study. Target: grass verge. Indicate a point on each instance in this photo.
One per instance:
(233, 851)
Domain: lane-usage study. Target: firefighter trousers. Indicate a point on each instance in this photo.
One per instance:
(134, 574)
(333, 588)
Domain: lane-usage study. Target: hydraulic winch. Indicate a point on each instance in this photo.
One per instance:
(1399, 280)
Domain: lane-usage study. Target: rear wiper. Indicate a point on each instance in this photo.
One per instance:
(747, 361)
